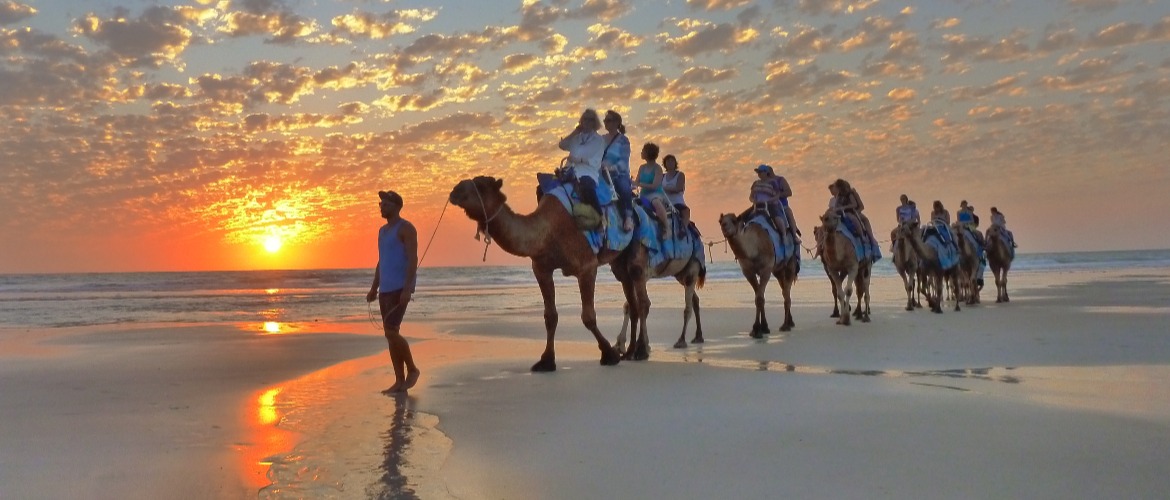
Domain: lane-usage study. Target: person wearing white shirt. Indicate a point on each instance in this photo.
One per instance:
(585, 147)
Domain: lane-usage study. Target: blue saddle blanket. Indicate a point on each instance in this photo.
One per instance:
(948, 254)
(782, 245)
(869, 251)
(611, 236)
(970, 235)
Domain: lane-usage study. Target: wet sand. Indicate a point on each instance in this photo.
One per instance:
(130, 412)
(1064, 392)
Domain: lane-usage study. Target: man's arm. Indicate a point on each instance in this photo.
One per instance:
(373, 293)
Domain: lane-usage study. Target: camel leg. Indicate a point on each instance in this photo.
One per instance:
(688, 294)
(642, 346)
(935, 296)
(630, 318)
(627, 350)
(785, 278)
(586, 281)
(755, 283)
(620, 343)
(955, 286)
(836, 308)
(760, 284)
(698, 339)
(1005, 273)
(544, 279)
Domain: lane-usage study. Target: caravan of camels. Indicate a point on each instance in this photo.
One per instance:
(587, 217)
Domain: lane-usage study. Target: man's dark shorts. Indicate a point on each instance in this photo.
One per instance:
(392, 308)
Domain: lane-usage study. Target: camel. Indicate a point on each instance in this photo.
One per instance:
(691, 274)
(753, 249)
(550, 238)
(932, 273)
(968, 287)
(999, 257)
(906, 262)
(840, 260)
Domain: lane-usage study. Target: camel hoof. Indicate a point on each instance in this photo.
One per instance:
(936, 310)
(544, 365)
(786, 328)
(756, 334)
(865, 319)
(642, 354)
(1006, 299)
(909, 308)
(609, 357)
(682, 344)
(835, 315)
(697, 340)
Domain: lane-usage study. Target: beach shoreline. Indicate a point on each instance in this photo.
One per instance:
(1072, 374)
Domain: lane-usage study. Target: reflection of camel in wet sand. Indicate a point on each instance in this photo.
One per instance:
(757, 259)
(999, 258)
(968, 269)
(906, 262)
(933, 275)
(550, 238)
(840, 260)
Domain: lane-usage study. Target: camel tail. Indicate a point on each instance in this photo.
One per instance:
(702, 276)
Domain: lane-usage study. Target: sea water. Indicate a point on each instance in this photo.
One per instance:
(338, 295)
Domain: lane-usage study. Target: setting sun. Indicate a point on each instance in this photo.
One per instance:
(272, 244)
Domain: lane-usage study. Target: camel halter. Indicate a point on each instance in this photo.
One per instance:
(487, 237)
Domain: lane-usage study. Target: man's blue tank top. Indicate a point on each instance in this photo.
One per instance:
(391, 259)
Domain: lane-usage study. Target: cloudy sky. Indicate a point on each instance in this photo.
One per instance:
(151, 135)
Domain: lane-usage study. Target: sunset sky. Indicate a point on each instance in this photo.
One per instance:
(144, 135)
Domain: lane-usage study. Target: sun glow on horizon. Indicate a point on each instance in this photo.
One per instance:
(272, 243)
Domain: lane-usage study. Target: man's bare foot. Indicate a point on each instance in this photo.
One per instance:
(411, 379)
(397, 388)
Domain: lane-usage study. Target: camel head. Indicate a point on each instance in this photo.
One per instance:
(728, 224)
(907, 229)
(479, 197)
(830, 220)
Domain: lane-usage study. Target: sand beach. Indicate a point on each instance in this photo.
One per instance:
(1063, 393)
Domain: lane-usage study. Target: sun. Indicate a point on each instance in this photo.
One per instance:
(272, 243)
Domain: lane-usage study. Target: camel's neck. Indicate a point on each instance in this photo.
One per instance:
(744, 243)
(923, 250)
(521, 235)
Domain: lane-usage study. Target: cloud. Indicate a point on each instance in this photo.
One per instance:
(716, 4)
(610, 38)
(1090, 72)
(12, 12)
(901, 94)
(518, 63)
(828, 7)
(702, 37)
(159, 35)
(379, 26)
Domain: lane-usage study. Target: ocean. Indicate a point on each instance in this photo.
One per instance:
(338, 295)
